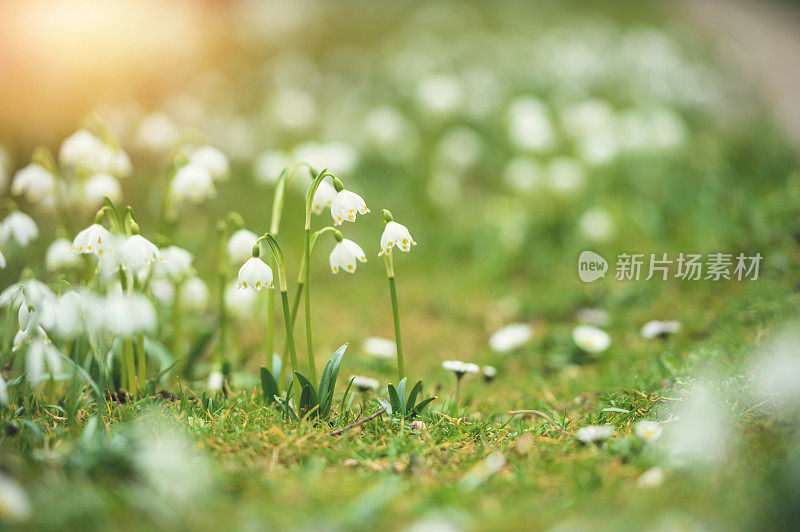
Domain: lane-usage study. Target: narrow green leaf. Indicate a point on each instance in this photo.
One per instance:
(327, 382)
(269, 387)
(412, 397)
(394, 399)
(401, 393)
(421, 406)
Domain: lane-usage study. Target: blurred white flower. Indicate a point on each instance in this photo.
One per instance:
(596, 224)
(345, 255)
(99, 186)
(652, 478)
(593, 316)
(35, 183)
(323, 197)
(511, 337)
(345, 206)
(128, 314)
(240, 245)
(268, 166)
(594, 433)
(460, 148)
(58, 256)
(364, 384)
(440, 95)
(379, 347)
(648, 431)
(3, 402)
(121, 165)
(215, 380)
(212, 160)
(529, 125)
(591, 339)
(386, 129)
(15, 506)
(460, 368)
(255, 274)
(702, 433)
(2, 261)
(482, 471)
(163, 290)
(85, 150)
(18, 227)
(194, 294)
(489, 373)
(776, 371)
(177, 263)
(138, 253)
(24, 337)
(94, 239)
(41, 359)
(294, 108)
(69, 314)
(339, 158)
(661, 329)
(565, 175)
(522, 174)
(239, 303)
(395, 235)
(157, 132)
(193, 183)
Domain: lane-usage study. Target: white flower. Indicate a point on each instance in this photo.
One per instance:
(3, 401)
(460, 368)
(240, 245)
(84, 149)
(128, 314)
(239, 303)
(652, 478)
(596, 224)
(35, 183)
(69, 314)
(19, 227)
(346, 255)
(591, 339)
(157, 132)
(661, 329)
(395, 235)
(364, 384)
(339, 158)
(99, 186)
(2, 261)
(193, 183)
(58, 255)
(593, 316)
(529, 124)
(323, 197)
(510, 337)
(26, 336)
(194, 294)
(14, 502)
(177, 263)
(489, 373)
(137, 253)
(94, 239)
(255, 274)
(268, 166)
(346, 205)
(648, 431)
(594, 433)
(163, 290)
(42, 356)
(215, 380)
(379, 347)
(565, 175)
(213, 160)
(440, 95)
(121, 165)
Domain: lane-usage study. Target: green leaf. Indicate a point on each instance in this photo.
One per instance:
(617, 410)
(397, 406)
(385, 404)
(269, 387)
(401, 393)
(155, 350)
(421, 406)
(327, 382)
(345, 397)
(412, 397)
(308, 394)
(288, 411)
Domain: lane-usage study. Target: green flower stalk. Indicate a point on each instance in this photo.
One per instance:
(394, 235)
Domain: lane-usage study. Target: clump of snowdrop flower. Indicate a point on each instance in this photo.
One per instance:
(590, 339)
(511, 337)
(18, 227)
(660, 329)
(596, 434)
(240, 245)
(346, 204)
(192, 183)
(255, 274)
(379, 347)
(35, 183)
(14, 503)
(489, 373)
(395, 235)
(648, 431)
(365, 384)
(345, 255)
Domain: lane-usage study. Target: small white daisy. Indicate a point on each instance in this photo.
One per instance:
(660, 329)
(648, 431)
(379, 347)
(365, 384)
(591, 339)
(460, 368)
(489, 373)
(511, 337)
(594, 434)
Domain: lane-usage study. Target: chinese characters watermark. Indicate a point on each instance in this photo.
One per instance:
(663, 266)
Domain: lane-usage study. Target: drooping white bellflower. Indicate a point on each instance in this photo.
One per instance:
(395, 235)
(345, 255)
(255, 274)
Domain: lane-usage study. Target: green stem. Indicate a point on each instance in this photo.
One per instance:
(223, 318)
(130, 365)
(142, 362)
(287, 319)
(270, 336)
(177, 322)
(295, 306)
(307, 308)
(396, 315)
